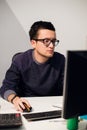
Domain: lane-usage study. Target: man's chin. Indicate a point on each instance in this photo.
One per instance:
(50, 55)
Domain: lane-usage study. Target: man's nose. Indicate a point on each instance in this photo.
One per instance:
(51, 44)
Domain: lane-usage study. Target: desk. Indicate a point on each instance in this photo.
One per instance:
(40, 104)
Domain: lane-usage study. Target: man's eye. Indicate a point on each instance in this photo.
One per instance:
(53, 41)
(46, 40)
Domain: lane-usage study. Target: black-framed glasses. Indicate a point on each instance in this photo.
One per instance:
(47, 41)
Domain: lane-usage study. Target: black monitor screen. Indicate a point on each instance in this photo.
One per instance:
(75, 84)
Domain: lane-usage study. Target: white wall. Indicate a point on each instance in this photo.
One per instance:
(12, 37)
(16, 16)
(68, 16)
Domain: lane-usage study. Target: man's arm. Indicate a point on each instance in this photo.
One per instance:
(8, 89)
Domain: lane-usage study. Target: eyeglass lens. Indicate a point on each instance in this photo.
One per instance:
(47, 42)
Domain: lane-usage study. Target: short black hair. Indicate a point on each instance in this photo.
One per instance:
(40, 25)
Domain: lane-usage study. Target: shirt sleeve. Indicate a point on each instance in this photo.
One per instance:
(10, 82)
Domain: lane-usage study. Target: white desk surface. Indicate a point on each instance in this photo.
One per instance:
(40, 104)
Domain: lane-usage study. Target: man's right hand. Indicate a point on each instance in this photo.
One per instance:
(18, 102)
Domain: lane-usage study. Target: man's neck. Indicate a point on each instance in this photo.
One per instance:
(39, 58)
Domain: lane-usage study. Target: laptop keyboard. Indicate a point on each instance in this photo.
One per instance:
(10, 120)
(43, 115)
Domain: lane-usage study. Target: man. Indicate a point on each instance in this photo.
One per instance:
(36, 72)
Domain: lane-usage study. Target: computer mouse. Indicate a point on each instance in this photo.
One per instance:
(27, 108)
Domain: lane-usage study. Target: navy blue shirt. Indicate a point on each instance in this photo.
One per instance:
(26, 77)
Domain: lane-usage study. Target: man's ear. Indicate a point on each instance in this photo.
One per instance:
(33, 43)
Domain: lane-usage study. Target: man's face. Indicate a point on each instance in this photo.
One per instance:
(40, 48)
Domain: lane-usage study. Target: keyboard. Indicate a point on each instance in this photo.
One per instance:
(10, 120)
(43, 115)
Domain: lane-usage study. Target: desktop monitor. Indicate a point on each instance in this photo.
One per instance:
(75, 84)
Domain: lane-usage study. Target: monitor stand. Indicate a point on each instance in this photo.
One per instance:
(72, 123)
